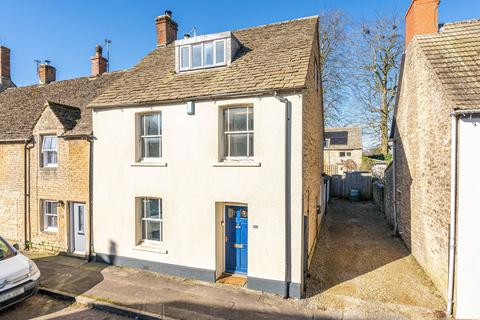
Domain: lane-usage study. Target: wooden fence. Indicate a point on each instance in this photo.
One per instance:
(341, 185)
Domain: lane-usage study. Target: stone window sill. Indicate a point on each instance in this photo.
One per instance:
(149, 164)
(150, 248)
(237, 164)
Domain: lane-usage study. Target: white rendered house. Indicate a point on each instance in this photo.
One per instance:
(207, 157)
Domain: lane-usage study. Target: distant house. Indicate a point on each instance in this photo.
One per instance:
(46, 159)
(434, 178)
(208, 157)
(343, 149)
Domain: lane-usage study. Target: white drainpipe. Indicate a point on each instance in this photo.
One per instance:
(453, 214)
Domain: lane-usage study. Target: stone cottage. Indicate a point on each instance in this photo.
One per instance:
(46, 159)
(208, 157)
(433, 181)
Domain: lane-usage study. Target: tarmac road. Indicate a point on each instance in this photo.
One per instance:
(45, 307)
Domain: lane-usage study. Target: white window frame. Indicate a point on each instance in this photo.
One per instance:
(189, 57)
(44, 152)
(144, 220)
(143, 137)
(46, 214)
(227, 132)
(203, 66)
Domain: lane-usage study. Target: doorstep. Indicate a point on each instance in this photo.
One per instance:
(233, 279)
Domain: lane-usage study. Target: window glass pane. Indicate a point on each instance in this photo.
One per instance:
(151, 148)
(226, 141)
(238, 145)
(208, 53)
(250, 118)
(51, 157)
(220, 51)
(53, 209)
(54, 143)
(80, 219)
(47, 143)
(185, 58)
(196, 55)
(152, 208)
(225, 119)
(153, 231)
(238, 119)
(152, 125)
(250, 145)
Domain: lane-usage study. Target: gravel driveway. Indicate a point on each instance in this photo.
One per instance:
(358, 267)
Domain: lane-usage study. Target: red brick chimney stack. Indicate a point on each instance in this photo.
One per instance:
(421, 18)
(5, 63)
(46, 73)
(166, 29)
(99, 63)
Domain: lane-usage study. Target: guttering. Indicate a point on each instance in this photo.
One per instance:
(15, 140)
(288, 222)
(453, 214)
(197, 98)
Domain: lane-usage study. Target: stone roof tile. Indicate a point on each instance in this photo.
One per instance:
(271, 57)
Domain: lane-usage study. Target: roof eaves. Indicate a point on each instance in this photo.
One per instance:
(197, 98)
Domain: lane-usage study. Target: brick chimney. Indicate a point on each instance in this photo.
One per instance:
(166, 29)
(46, 73)
(421, 18)
(5, 64)
(99, 63)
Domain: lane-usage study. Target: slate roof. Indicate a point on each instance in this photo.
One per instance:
(454, 54)
(274, 56)
(21, 107)
(346, 138)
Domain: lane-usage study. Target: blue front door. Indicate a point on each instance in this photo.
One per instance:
(236, 222)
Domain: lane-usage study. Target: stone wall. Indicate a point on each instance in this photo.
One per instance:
(69, 182)
(423, 166)
(312, 150)
(12, 192)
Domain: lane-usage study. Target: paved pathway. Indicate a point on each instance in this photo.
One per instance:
(359, 267)
(43, 307)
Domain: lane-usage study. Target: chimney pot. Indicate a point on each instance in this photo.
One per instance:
(46, 73)
(166, 29)
(99, 63)
(5, 63)
(421, 18)
(186, 36)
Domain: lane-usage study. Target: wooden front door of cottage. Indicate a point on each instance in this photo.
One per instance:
(236, 238)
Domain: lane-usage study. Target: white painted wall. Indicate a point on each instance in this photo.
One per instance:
(468, 220)
(191, 184)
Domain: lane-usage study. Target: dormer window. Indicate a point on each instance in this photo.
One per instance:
(206, 51)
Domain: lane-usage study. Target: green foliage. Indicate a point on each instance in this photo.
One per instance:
(369, 161)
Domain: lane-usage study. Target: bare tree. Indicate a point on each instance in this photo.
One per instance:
(379, 49)
(334, 44)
